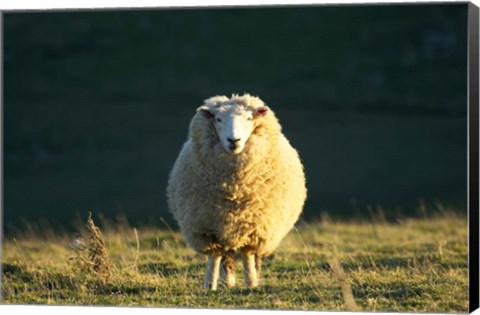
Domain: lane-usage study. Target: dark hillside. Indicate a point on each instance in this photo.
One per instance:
(97, 104)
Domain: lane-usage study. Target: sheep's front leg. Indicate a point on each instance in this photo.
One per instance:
(228, 268)
(213, 272)
(249, 270)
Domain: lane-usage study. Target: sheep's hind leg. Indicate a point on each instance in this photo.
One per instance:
(213, 272)
(258, 265)
(228, 268)
(249, 270)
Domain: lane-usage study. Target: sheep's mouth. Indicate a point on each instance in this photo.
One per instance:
(236, 151)
(233, 149)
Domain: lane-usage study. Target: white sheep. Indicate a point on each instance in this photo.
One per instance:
(237, 184)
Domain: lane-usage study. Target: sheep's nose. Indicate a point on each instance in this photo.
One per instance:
(233, 143)
(233, 140)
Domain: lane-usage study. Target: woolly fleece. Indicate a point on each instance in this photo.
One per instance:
(244, 202)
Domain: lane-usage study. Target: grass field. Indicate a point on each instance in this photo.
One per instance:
(412, 265)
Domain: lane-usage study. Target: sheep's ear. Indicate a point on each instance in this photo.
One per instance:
(205, 111)
(261, 111)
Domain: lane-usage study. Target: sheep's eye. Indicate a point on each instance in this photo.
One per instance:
(219, 120)
(250, 118)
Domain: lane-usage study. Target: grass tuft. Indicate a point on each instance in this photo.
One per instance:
(97, 261)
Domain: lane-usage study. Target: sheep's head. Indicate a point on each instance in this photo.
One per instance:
(233, 122)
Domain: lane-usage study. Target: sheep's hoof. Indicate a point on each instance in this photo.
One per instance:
(230, 282)
(209, 286)
(252, 285)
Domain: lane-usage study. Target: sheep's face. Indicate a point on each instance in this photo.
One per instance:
(233, 124)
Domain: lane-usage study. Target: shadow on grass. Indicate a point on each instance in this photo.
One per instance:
(124, 288)
(17, 272)
(46, 282)
(38, 278)
(389, 263)
(167, 269)
(390, 291)
(403, 295)
(302, 292)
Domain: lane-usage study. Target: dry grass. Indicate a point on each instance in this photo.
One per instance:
(97, 261)
(414, 265)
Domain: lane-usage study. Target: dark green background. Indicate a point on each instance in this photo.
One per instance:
(97, 104)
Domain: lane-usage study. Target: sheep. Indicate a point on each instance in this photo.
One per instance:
(237, 185)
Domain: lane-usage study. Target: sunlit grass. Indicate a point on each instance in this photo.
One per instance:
(411, 265)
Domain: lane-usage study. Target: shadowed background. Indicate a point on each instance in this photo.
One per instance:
(97, 104)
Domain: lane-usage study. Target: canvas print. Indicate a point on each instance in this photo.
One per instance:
(293, 158)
